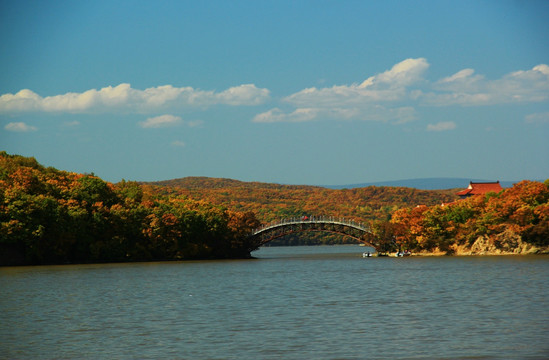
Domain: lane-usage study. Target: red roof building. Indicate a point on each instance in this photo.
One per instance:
(480, 189)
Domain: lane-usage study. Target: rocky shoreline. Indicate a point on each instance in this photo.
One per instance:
(507, 243)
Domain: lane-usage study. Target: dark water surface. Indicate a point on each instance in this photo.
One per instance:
(291, 303)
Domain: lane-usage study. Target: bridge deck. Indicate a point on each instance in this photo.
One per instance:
(312, 220)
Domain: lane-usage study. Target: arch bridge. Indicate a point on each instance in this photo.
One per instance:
(277, 229)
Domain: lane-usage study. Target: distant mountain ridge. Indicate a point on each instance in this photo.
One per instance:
(203, 182)
(192, 182)
(424, 183)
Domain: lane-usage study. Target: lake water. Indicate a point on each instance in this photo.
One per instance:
(324, 302)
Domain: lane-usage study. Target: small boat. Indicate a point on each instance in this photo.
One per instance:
(403, 253)
(366, 254)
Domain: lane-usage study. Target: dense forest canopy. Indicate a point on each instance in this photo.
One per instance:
(53, 216)
(516, 220)
(271, 202)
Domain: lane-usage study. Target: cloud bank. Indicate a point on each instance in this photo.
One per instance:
(177, 143)
(537, 118)
(124, 98)
(161, 121)
(389, 86)
(390, 96)
(393, 95)
(465, 88)
(167, 120)
(442, 126)
(19, 127)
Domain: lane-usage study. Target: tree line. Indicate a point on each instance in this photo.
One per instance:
(48, 216)
(501, 222)
(405, 218)
(271, 202)
(51, 216)
(274, 201)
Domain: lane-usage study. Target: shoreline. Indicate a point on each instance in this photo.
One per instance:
(504, 244)
(433, 254)
(469, 252)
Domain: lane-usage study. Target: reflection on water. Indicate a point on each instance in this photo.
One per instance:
(291, 302)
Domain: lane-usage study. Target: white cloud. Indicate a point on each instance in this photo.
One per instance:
(466, 89)
(390, 96)
(168, 120)
(402, 74)
(123, 98)
(442, 126)
(388, 86)
(247, 94)
(304, 114)
(365, 101)
(459, 76)
(194, 123)
(367, 113)
(394, 94)
(19, 127)
(277, 115)
(160, 95)
(161, 121)
(178, 143)
(537, 118)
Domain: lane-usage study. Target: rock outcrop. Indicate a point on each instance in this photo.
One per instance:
(506, 243)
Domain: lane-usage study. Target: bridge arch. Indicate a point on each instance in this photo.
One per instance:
(276, 229)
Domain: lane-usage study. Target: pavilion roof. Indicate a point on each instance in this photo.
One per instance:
(476, 188)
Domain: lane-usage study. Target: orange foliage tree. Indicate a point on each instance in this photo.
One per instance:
(521, 210)
(52, 216)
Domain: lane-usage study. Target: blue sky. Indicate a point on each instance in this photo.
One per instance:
(295, 92)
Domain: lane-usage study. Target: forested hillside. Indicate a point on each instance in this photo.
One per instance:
(51, 216)
(273, 201)
(270, 202)
(514, 221)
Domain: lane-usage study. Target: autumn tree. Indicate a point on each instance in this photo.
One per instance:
(52, 216)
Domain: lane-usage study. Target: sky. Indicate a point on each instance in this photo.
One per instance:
(293, 92)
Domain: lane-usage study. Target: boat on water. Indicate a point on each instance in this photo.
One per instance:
(403, 253)
(397, 254)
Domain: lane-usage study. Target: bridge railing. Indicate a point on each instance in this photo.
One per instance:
(312, 219)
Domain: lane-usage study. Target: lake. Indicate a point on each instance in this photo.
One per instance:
(323, 302)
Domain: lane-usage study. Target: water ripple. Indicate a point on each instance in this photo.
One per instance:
(292, 303)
